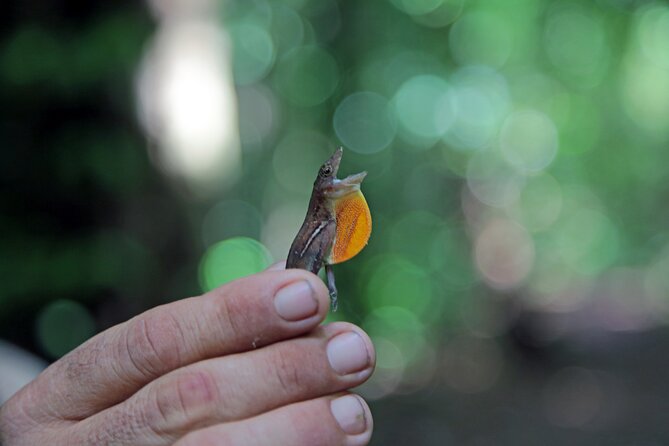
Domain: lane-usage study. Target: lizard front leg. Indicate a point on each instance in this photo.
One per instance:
(329, 272)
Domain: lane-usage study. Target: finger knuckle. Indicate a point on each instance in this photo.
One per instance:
(288, 365)
(233, 316)
(122, 424)
(186, 399)
(228, 313)
(22, 418)
(154, 342)
(12, 423)
(242, 310)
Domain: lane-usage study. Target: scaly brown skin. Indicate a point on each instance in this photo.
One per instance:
(315, 239)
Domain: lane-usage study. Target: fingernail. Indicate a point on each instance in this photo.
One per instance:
(350, 414)
(348, 353)
(296, 301)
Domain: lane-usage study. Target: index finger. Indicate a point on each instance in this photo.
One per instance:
(242, 315)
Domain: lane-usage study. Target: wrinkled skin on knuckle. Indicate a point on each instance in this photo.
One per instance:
(154, 343)
(17, 431)
(17, 426)
(286, 364)
(236, 316)
(10, 425)
(244, 310)
(128, 423)
(299, 369)
(79, 363)
(184, 402)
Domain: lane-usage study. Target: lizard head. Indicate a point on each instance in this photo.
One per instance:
(328, 182)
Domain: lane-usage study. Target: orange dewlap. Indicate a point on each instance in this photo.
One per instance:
(354, 226)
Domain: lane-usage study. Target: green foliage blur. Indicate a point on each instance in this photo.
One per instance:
(516, 156)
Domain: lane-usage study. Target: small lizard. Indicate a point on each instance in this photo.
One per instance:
(337, 225)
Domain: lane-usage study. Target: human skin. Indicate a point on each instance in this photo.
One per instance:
(245, 364)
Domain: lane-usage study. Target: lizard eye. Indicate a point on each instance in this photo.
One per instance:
(326, 170)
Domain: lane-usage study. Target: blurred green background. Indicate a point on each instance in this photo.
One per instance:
(516, 284)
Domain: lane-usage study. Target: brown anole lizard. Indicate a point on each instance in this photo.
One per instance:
(337, 225)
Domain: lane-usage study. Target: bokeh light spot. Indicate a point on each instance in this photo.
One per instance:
(588, 241)
(232, 259)
(228, 219)
(307, 76)
(540, 91)
(552, 284)
(528, 140)
(389, 355)
(646, 71)
(475, 126)
(187, 103)
(540, 202)
(653, 33)
(400, 326)
(424, 107)
(389, 370)
(415, 234)
(481, 38)
(397, 282)
(364, 122)
(492, 181)
(581, 128)
(62, 326)
(258, 115)
(481, 99)
(297, 158)
(446, 13)
(253, 52)
(386, 69)
(417, 7)
(287, 27)
(281, 226)
(504, 254)
(646, 95)
(576, 43)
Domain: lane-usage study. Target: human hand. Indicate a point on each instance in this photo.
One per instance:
(245, 364)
